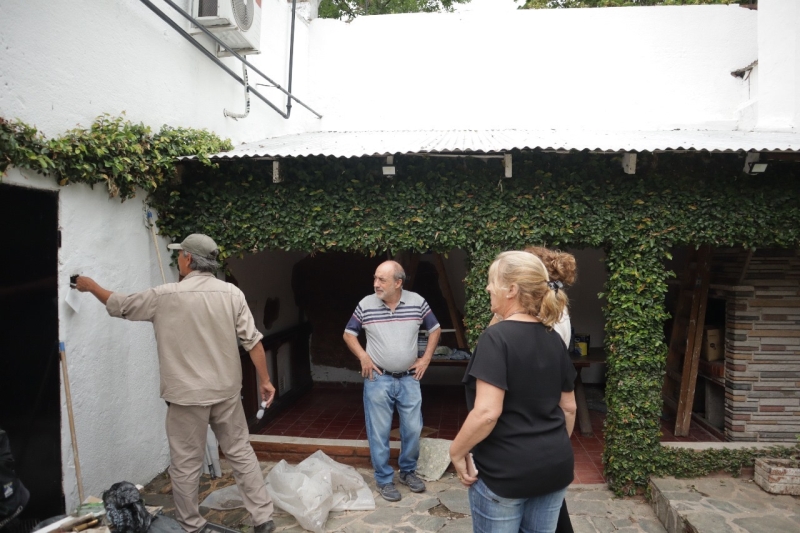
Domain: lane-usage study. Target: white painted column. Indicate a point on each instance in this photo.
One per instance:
(779, 65)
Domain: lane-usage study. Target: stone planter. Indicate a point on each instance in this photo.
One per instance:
(778, 476)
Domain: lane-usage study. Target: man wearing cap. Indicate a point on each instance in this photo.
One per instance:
(197, 323)
(391, 318)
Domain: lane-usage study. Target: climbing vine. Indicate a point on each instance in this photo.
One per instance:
(560, 200)
(122, 155)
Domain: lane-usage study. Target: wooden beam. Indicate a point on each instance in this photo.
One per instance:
(747, 259)
(691, 358)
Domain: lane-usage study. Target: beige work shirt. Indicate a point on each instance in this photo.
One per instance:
(197, 323)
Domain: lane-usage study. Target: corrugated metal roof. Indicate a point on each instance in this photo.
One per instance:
(382, 143)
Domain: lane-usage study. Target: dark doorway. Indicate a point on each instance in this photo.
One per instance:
(30, 401)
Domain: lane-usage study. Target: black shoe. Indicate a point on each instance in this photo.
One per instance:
(389, 492)
(414, 483)
(266, 527)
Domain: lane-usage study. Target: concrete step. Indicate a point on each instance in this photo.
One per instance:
(722, 505)
(295, 449)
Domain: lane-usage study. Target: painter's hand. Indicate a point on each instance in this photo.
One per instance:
(267, 392)
(367, 367)
(85, 284)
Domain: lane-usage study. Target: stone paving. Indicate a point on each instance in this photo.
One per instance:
(442, 508)
(723, 505)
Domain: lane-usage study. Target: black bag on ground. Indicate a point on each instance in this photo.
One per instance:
(13, 494)
(125, 510)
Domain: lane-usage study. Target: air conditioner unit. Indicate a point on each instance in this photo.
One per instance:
(237, 23)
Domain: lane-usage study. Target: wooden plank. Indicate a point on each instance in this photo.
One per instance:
(669, 402)
(455, 318)
(677, 342)
(691, 358)
(672, 374)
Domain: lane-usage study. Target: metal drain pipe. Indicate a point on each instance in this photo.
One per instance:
(237, 116)
(291, 63)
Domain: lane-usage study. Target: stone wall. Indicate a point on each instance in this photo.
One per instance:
(762, 345)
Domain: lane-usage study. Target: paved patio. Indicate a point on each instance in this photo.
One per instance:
(442, 508)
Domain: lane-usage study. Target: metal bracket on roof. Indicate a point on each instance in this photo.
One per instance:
(389, 169)
(744, 73)
(507, 164)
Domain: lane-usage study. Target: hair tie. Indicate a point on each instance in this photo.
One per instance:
(555, 285)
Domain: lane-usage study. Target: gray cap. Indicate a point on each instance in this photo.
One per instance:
(198, 244)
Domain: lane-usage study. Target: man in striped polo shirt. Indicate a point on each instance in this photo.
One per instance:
(391, 319)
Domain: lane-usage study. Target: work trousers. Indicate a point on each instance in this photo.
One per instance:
(187, 432)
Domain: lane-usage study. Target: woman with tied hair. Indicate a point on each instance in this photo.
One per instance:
(519, 386)
(561, 266)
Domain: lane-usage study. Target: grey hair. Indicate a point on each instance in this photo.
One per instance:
(202, 264)
(399, 273)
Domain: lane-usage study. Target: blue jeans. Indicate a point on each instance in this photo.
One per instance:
(381, 396)
(495, 514)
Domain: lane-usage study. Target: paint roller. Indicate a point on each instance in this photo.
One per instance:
(260, 413)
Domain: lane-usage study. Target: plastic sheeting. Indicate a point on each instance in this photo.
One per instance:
(308, 491)
(316, 486)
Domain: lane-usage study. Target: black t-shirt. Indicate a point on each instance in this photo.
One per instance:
(528, 452)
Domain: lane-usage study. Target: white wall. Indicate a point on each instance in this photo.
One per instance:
(86, 58)
(61, 71)
(779, 65)
(620, 68)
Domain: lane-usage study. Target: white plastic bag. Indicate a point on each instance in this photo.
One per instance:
(224, 499)
(316, 486)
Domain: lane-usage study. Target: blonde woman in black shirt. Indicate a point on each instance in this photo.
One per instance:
(519, 386)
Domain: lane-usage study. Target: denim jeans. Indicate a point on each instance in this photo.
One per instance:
(495, 514)
(381, 396)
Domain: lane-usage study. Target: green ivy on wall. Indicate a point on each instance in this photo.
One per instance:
(560, 200)
(122, 155)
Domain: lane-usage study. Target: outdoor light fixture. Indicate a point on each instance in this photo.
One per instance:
(388, 169)
(752, 164)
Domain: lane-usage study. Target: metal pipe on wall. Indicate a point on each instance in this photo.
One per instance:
(229, 50)
(208, 54)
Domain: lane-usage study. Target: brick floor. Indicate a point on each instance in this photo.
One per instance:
(336, 412)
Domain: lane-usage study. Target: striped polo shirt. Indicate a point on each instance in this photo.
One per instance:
(392, 335)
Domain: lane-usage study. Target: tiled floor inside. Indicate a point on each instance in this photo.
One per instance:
(336, 412)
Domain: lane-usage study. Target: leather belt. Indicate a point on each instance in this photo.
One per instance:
(397, 375)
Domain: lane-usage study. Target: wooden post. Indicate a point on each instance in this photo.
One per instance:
(68, 394)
